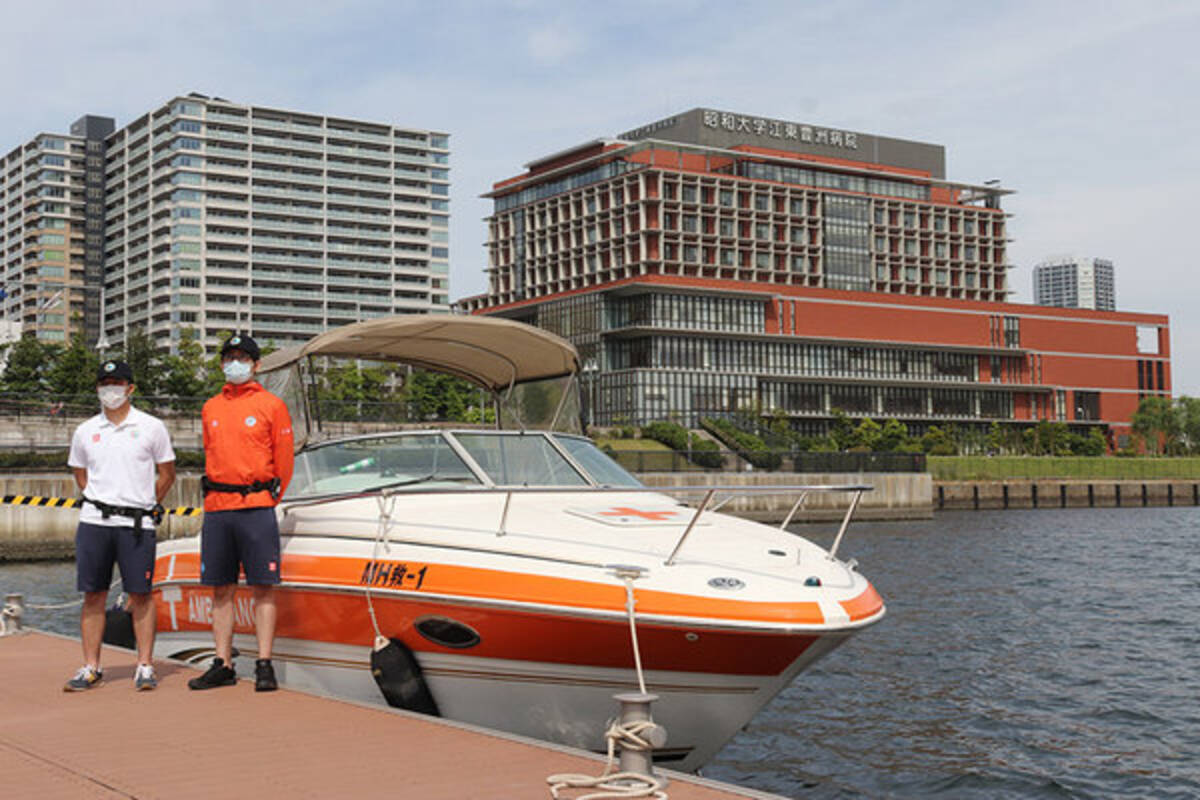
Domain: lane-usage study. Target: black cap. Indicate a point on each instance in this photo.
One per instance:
(239, 341)
(114, 369)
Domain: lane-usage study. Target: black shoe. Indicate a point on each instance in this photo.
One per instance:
(264, 676)
(218, 675)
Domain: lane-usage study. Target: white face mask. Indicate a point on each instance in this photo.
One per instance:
(237, 371)
(112, 397)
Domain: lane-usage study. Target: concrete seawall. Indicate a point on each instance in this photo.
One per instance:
(31, 534)
(1063, 493)
(47, 533)
(896, 495)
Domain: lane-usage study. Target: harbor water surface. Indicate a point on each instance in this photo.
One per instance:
(1025, 654)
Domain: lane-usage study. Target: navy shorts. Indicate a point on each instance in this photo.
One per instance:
(245, 536)
(97, 547)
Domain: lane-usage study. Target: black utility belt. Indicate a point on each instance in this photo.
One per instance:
(133, 512)
(208, 485)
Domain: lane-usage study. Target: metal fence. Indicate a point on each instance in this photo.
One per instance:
(48, 408)
(789, 461)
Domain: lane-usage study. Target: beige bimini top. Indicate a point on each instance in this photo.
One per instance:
(490, 351)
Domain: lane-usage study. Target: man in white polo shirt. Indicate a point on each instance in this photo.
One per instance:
(124, 465)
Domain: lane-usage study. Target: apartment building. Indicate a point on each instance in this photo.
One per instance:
(51, 230)
(1075, 282)
(223, 217)
(219, 216)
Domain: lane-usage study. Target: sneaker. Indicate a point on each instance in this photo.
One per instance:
(264, 676)
(218, 675)
(84, 679)
(144, 679)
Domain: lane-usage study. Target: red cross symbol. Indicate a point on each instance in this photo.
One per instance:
(622, 511)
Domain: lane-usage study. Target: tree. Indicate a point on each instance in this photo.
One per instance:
(144, 360)
(182, 371)
(29, 362)
(938, 442)
(1094, 444)
(868, 433)
(842, 433)
(1157, 423)
(438, 396)
(893, 437)
(1187, 410)
(345, 387)
(73, 372)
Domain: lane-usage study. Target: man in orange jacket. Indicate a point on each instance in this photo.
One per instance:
(248, 464)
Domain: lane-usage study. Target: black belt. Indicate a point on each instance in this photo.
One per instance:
(272, 486)
(133, 512)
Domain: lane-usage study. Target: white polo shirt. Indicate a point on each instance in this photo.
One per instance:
(121, 463)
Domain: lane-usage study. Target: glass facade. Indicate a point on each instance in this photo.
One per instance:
(659, 355)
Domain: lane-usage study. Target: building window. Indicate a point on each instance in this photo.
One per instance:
(1087, 405)
(1012, 331)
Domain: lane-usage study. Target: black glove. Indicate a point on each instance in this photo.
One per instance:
(157, 513)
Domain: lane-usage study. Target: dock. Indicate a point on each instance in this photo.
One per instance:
(113, 742)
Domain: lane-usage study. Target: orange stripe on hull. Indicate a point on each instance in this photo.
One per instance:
(497, 585)
(509, 634)
(867, 604)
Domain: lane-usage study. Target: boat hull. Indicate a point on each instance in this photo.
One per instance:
(542, 673)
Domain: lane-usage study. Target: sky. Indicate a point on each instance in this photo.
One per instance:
(1087, 110)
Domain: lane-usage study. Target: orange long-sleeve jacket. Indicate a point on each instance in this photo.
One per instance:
(247, 438)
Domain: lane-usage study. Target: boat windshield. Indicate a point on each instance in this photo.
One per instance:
(603, 469)
(431, 459)
(520, 459)
(358, 465)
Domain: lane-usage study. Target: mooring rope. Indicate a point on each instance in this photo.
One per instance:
(630, 604)
(387, 504)
(615, 785)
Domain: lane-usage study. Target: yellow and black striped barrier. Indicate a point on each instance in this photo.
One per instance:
(74, 502)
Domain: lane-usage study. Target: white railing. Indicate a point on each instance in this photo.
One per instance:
(804, 492)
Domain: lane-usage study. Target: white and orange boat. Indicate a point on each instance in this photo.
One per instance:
(503, 560)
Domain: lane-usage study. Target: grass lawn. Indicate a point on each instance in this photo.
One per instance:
(646, 455)
(631, 444)
(966, 468)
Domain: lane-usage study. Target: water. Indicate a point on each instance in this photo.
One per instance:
(1025, 654)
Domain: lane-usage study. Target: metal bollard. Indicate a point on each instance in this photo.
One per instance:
(10, 616)
(635, 708)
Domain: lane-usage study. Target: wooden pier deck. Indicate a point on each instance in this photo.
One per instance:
(113, 742)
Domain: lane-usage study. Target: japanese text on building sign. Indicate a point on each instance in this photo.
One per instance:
(776, 129)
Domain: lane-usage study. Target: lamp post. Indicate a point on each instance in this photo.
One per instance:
(590, 370)
(102, 342)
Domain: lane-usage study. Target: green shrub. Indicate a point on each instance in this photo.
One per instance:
(701, 452)
(707, 454)
(748, 446)
(54, 460)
